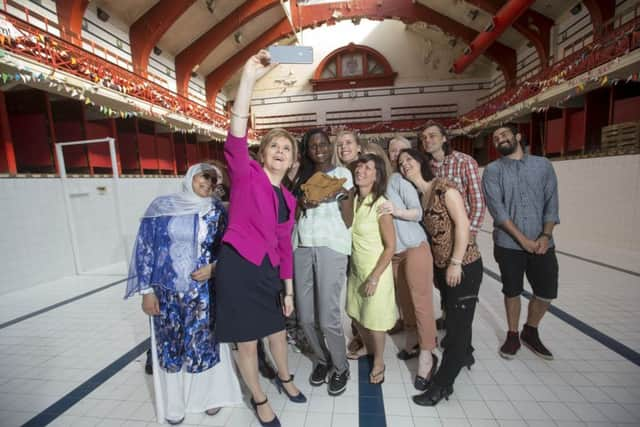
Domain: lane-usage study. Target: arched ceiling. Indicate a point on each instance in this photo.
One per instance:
(204, 33)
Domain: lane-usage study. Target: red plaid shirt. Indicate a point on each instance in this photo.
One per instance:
(462, 169)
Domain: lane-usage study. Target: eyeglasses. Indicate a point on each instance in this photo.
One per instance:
(209, 176)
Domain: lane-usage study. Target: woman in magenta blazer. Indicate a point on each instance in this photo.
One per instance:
(256, 257)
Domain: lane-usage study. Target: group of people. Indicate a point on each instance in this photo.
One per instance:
(402, 222)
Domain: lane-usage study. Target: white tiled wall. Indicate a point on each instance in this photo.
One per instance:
(599, 209)
(36, 242)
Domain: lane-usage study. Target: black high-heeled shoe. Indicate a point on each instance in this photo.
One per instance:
(421, 383)
(275, 422)
(298, 398)
(469, 362)
(433, 395)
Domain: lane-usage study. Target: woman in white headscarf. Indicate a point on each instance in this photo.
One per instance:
(173, 261)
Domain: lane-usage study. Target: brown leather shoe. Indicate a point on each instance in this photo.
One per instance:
(511, 345)
(398, 327)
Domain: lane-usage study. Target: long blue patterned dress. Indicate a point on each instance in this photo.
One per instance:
(167, 250)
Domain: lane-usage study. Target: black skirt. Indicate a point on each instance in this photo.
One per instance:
(248, 305)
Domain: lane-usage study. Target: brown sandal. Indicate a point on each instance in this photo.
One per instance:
(358, 354)
(373, 376)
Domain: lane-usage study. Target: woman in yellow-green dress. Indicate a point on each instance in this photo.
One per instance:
(370, 292)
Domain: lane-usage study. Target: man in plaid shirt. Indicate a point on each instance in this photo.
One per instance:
(462, 169)
(458, 167)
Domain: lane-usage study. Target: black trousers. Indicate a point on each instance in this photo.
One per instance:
(460, 303)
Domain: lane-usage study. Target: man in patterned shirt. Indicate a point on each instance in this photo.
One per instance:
(462, 169)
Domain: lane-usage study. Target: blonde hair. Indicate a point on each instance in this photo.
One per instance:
(402, 139)
(373, 148)
(362, 144)
(278, 133)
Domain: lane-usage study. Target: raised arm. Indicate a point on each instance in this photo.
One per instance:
(236, 151)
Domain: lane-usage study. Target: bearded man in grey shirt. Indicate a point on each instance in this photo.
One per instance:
(521, 192)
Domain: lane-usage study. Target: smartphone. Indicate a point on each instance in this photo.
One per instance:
(291, 54)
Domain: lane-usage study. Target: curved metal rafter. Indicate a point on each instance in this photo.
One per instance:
(601, 11)
(533, 25)
(196, 52)
(505, 17)
(312, 16)
(218, 77)
(145, 33)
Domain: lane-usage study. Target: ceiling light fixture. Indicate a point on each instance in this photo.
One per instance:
(210, 5)
(102, 15)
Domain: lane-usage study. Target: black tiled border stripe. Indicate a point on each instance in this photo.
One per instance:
(58, 304)
(612, 344)
(59, 407)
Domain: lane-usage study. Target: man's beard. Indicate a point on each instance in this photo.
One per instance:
(506, 149)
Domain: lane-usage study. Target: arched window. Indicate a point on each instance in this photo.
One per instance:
(353, 66)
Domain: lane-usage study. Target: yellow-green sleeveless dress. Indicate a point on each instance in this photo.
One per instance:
(377, 312)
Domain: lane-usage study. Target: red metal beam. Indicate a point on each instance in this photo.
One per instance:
(70, 13)
(601, 11)
(404, 10)
(501, 21)
(145, 33)
(218, 77)
(196, 52)
(535, 26)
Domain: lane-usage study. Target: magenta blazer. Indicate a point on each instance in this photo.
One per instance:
(253, 211)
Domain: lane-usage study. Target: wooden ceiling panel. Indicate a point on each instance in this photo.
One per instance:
(195, 22)
(553, 9)
(127, 11)
(249, 32)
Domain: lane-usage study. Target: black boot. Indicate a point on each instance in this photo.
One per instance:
(433, 395)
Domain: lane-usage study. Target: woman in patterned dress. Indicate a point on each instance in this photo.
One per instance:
(173, 261)
(457, 265)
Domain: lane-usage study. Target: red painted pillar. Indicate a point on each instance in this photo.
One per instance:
(7, 155)
(70, 13)
(145, 33)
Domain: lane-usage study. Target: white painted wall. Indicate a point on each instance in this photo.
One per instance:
(391, 38)
(599, 209)
(36, 241)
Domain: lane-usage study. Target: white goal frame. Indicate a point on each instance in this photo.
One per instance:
(62, 171)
